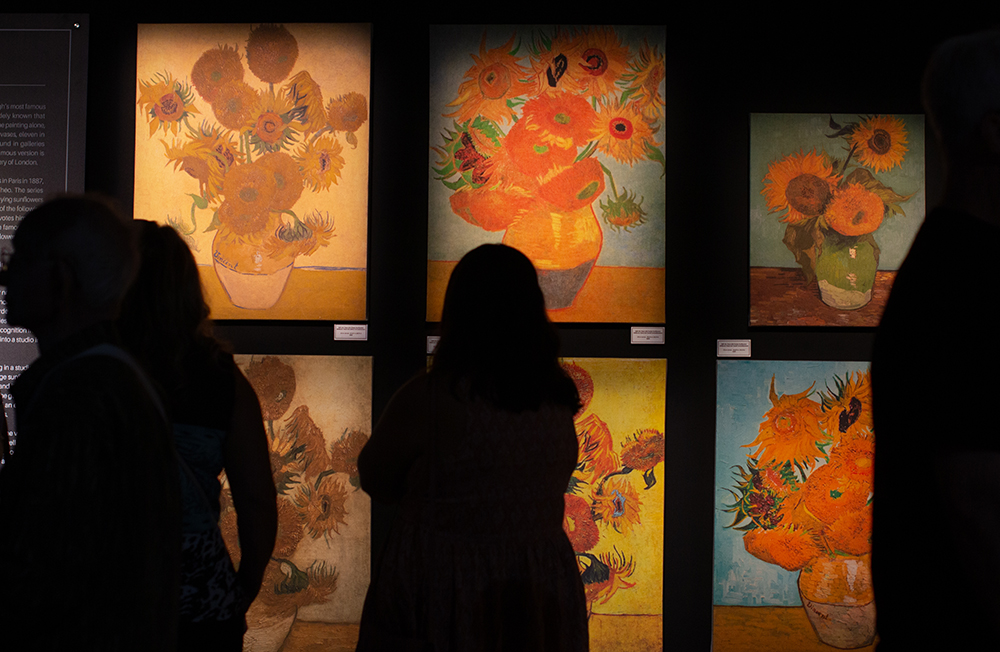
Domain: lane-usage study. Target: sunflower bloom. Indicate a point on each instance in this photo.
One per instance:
(583, 381)
(323, 504)
(494, 79)
(847, 409)
(166, 102)
(306, 433)
(236, 105)
(786, 546)
(597, 456)
(828, 494)
(274, 383)
(216, 68)
(249, 190)
(205, 157)
(643, 81)
(852, 532)
(855, 455)
(552, 65)
(307, 98)
(271, 53)
(492, 209)
(854, 210)
(603, 59)
(617, 504)
(347, 112)
(532, 157)
(643, 450)
(801, 184)
(790, 431)
(288, 181)
(321, 163)
(344, 454)
(605, 575)
(579, 525)
(622, 133)
(561, 120)
(880, 142)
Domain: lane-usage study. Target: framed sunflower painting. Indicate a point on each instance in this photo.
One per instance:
(614, 502)
(317, 413)
(551, 141)
(793, 508)
(835, 202)
(252, 142)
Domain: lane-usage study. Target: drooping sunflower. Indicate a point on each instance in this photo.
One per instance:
(643, 79)
(166, 102)
(790, 431)
(597, 457)
(552, 60)
(790, 547)
(236, 105)
(603, 58)
(300, 238)
(583, 381)
(344, 454)
(854, 210)
(347, 112)
(271, 52)
(560, 120)
(321, 163)
(604, 575)
(274, 383)
(578, 523)
(288, 181)
(306, 433)
(801, 184)
(643, 450)
(307, 98)
(216, 68)
(207, 157)
(617, 504)
(622, 133)
(495, 78)
(880, 142)
(323, 504)
(847, 408)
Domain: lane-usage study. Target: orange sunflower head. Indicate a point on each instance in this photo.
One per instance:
(583, 381)
(829, 493)
(596, 448)
(323, 505)
(787, 546)
(494, 79)
(288, 182)
(552, 64)
(214, 69)
(880, 142)
(271, 52)
(847, 408)
(801, 184)
(166, 102)
(643, 80)
(347, 112)
(236, 105)
(492, 209)
(578, 523)
(575, 187)
(306, 433)
(301, 238)
(790, 431)
(560, 119)
(854, 210)
(855, 457)
(643, 450)
(274, 383)
(307, 98)
(617, 504)
(852, 532)
(530, 155)
(344, 454)
(622, 132)
(321, 163)
(603, 59)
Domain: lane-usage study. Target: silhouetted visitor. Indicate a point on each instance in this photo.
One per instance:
(217, 424)
(89, 501)
(478, 453)
(936, 532)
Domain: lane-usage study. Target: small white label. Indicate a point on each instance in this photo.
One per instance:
(733, 348)
(432, 343)
(350, 331)
(649, 335)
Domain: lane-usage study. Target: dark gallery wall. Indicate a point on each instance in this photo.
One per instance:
(721, 68)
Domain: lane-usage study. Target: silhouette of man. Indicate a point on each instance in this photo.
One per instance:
(936, 531)
(89, 514)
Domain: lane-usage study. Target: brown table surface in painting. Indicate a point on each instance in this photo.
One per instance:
(611, 294)
(607, 634)
(309, 294)
(781, 297)
(766, 629)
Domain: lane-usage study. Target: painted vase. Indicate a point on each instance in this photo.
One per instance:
(845, 271)
(563, 246)
(252, 278)
(837, 595)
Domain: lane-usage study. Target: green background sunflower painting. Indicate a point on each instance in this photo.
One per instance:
(317, 414)
(793, 475)
(835, 202)
(551, 140)
(252, 141)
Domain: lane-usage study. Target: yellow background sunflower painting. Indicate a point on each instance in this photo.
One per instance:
(614, 503)
(835, 201)
(317, 414)
(551, 140)
(794, 450)
(252, 140)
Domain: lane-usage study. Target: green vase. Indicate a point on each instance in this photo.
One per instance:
(845, 270)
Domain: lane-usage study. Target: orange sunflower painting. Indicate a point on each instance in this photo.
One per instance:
(835, 201)
(794, 451)
(614, 502)
(317, 416)
(264, 130)
(552, 142)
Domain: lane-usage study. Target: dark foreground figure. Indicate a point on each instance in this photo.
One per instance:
(478, 453)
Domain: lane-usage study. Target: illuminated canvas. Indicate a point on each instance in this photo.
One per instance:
(793, 507)
(551, 140)
(252, 141)
(835, 201)
(317, 414)
(614, 504)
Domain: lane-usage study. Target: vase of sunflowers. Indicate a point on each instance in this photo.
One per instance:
(804, 502)
(584, 106)
(271, 141)
(833, 207)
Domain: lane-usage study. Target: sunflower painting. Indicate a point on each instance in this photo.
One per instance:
(795, 447)
(614, 502)
(835, 201)
(551, 140)
(317, 414)
(252, 141)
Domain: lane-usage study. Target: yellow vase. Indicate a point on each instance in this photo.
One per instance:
(563, 246)
(838, 598)
(252, 278)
